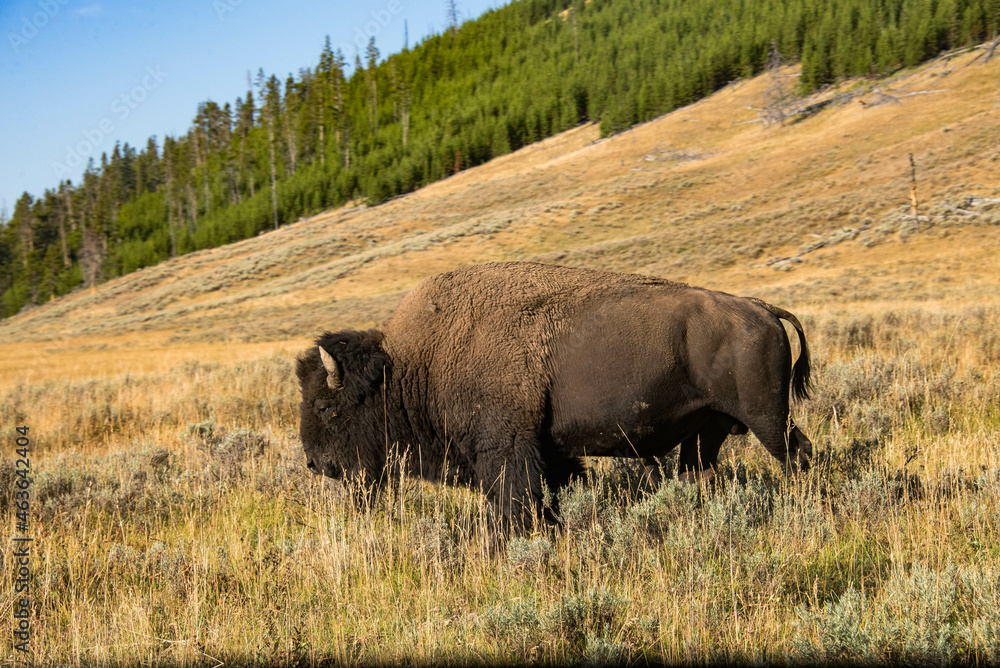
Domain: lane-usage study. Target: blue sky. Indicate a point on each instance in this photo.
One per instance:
(78, 75)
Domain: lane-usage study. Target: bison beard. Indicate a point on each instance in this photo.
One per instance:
(505, 375)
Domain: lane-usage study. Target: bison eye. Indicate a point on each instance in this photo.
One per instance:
(324, 409)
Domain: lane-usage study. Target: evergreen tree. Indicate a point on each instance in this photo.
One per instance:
(270, 93)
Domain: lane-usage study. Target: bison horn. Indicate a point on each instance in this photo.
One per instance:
(333, 375)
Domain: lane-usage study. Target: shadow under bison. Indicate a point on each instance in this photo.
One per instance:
(505, 375)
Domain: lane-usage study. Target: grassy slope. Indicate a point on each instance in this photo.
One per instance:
(625, 203)
(160, 537)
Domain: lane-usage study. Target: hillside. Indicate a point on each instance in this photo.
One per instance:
(380, 127)
(706, 194)
(173, 518)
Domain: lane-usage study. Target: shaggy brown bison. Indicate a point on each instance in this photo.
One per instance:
(506, 374)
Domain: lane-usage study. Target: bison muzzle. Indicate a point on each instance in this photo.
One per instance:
(506, 375)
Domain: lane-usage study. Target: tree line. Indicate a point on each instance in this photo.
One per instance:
(369, 128)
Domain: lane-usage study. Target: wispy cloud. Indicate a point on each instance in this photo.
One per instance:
(90, 10)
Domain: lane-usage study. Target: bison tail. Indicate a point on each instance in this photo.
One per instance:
(800, 370)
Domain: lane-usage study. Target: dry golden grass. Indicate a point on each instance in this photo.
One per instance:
(174, 521)
(171, 536)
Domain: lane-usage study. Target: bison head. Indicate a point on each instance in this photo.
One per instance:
(341, 414)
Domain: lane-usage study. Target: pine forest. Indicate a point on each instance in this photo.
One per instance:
(364, 128)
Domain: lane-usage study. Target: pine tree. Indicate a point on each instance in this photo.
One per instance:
(268, 90)
(244, 124)
(326, 75)
(371, 78)
(290, 113)
(341, 120)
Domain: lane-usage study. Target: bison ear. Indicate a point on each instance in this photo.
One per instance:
(332, 373)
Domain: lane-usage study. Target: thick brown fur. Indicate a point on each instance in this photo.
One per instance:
(506, 374)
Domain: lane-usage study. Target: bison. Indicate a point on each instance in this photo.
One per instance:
(507, 374)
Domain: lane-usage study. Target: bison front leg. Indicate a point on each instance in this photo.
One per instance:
(513, 481)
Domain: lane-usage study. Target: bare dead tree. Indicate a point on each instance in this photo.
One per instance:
(291, 111)
(91, 257)
(992, 49)
(778, 97)
(371, 78)
(913, 193)
(452, 12)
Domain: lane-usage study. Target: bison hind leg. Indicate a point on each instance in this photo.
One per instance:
(700, 453)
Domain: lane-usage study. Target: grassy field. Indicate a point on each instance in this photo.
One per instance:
(165, 537)
(174, 520)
